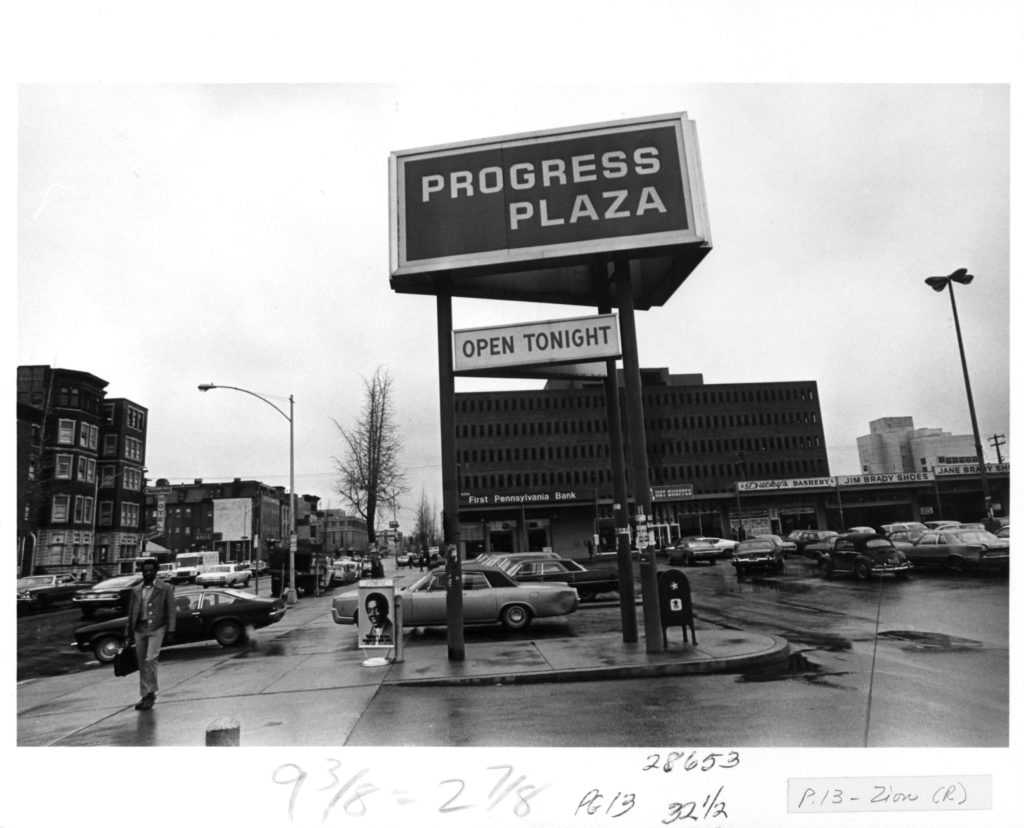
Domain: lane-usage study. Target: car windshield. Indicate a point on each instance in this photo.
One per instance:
(34, 581)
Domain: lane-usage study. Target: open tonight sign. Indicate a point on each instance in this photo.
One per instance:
(529, 199)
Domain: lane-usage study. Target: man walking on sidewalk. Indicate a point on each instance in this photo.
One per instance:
(151, 619)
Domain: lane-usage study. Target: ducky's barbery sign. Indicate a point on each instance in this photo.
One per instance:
(521, 217)
(582, 339)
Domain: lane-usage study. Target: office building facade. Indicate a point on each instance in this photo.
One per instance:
(535, 471)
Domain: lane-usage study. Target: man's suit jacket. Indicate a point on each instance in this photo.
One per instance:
(159, 610)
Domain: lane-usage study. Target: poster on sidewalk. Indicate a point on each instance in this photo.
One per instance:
(376, 615)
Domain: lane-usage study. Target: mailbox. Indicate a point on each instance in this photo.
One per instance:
(675, 603)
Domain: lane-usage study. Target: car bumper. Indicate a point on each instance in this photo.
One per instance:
(760, 561)
(894, 568)
(97, 603)
(341, 619)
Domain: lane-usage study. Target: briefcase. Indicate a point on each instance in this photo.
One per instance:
(126, 660)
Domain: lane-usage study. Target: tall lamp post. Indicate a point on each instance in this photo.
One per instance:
(290, 417)
(938, 284)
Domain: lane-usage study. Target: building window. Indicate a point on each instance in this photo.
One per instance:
(66, 432)
(129, 514)
(132, 479)
(83, 509)
(136, 419)
(86, 469)
(133, 448)
(106, 516)
(59, 508)
(63, 467)
(110, 445)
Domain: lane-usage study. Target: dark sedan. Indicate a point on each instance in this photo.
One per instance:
(757, 554)
(958, 550)
(112, 594)
(41, 591)
(864, 555)
(220, 614)
(589, 583)
(689, 551)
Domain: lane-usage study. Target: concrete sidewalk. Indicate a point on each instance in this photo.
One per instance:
(303, 681)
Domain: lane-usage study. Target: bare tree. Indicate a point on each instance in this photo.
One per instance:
(370, 475)
(425, 528)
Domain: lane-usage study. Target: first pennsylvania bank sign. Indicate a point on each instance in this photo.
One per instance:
(522, 216)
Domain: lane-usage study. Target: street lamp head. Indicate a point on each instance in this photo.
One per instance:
(961, 276)
(206, 386)
(936, 283)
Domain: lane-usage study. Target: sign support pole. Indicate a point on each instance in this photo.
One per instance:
(449, 477)
(627, 593)
(638, 448)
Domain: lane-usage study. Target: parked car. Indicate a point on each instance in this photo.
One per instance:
(589, 583)
(1004, 532)
(864, 555)
(41, 591)
(787, 547)
(913, 528)
(223, 615)
(489, 596)
(404, 559)
(819, 549)
(941, 524)
(691, 550)
(344, 571)
(757, 554)
(861, 530)
(725, 546)
(112, 594)
(224, 575)
(958, 550)
(806, 537)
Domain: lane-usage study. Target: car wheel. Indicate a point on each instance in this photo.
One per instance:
(828, 569)
(228, 633)
(862, 570)
(515, 617)
(105, 648)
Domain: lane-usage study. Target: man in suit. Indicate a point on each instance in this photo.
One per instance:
(382, 631)
(151, 620)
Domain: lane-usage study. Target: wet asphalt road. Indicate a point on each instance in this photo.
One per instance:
(936, 674)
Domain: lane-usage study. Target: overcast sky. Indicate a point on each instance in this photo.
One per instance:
(171, 235)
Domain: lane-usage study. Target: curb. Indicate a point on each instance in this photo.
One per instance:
(777, 653)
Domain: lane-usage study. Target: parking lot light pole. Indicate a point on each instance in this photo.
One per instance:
(938, 284)
(291, 595)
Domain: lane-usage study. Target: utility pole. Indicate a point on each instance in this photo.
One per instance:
(997, 440)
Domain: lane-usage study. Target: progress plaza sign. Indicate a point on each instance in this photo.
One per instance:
(522, 217)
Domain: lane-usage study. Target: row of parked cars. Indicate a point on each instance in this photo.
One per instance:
(899, 547)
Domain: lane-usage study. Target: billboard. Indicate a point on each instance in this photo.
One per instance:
(552, 342)
(232, 518)
(522, 217)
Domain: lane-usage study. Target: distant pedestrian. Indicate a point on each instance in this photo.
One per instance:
(151, 620)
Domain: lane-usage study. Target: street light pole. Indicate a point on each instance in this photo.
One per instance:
(290, 417)
(938, 284)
